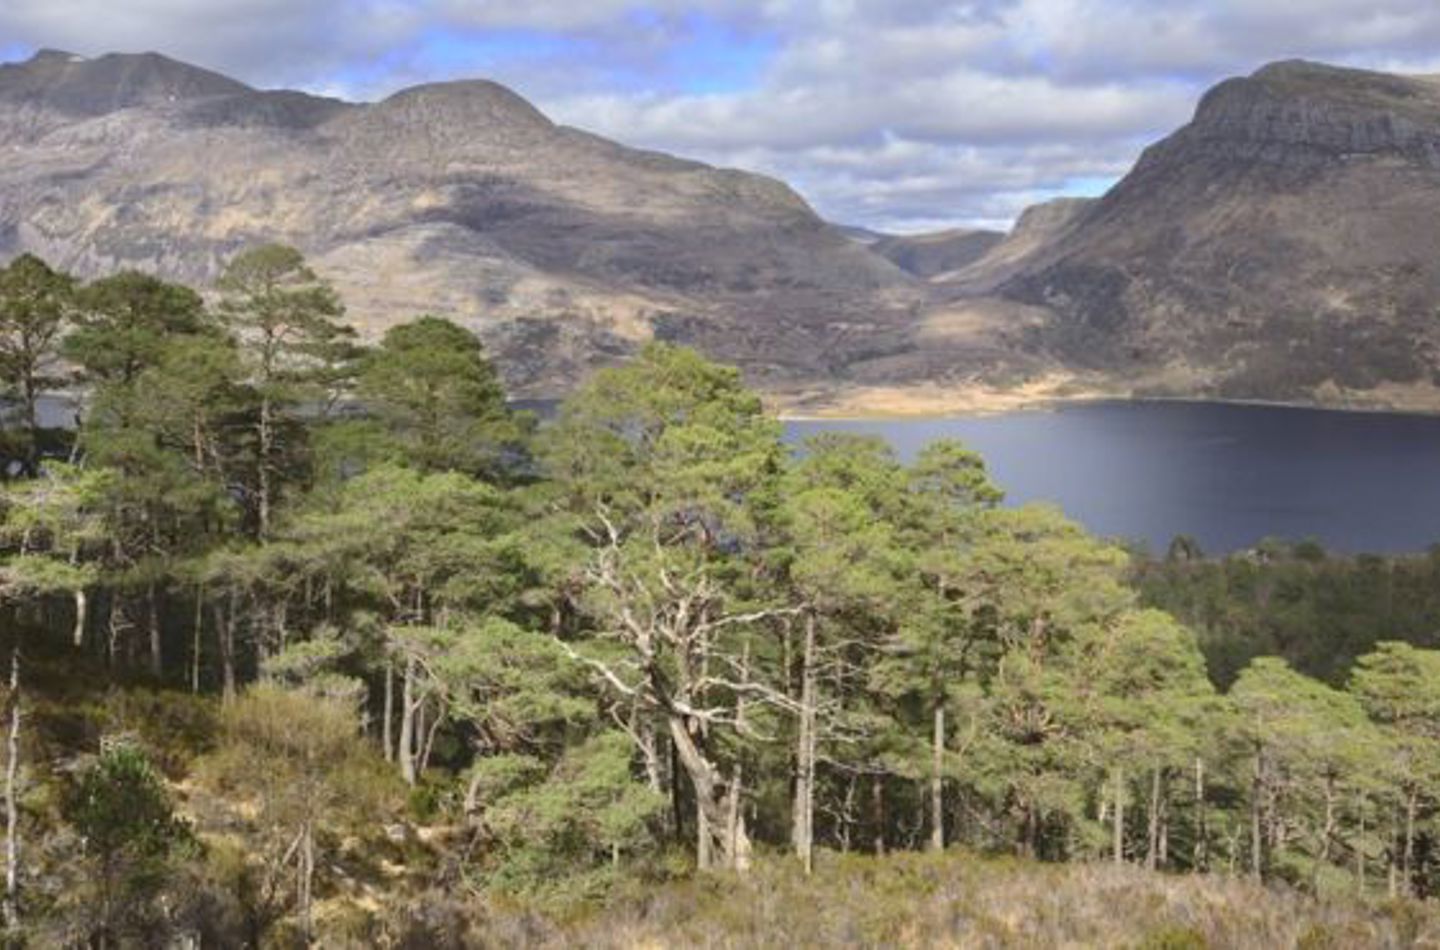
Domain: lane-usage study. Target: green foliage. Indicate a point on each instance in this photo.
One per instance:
(644, 638)
(440, 400)
(131, 842)
(584, 814)
(35, 303)
(122, 809)
(1399, 686)
(284, 312)
(124, 324)
(1318, 613)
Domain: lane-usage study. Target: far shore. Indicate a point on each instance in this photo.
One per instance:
(898, 403)
(881, 403)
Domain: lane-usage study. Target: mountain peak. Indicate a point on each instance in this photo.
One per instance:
(58, 56)
(1281, 246)
(470, 101)
(73, 84)
(1302, 75)
(1336, 87)
(1289, 68)
(1306, 114)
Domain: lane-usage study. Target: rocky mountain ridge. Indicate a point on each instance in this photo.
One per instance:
(562, 249)
(1283, 245)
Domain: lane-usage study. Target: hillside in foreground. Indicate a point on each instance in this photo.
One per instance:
(962, 900)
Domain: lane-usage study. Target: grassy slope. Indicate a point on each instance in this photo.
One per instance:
(959, 900)
(905, 899)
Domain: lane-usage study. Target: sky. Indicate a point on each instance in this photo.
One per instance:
(898, 115)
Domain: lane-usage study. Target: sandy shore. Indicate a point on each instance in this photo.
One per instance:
(900, 402)
(879, 402)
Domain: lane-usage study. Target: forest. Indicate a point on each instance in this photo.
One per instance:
(312, 642)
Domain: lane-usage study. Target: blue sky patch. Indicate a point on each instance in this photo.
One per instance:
(713, 57)
(1088, 187)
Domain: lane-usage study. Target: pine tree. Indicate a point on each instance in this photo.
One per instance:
(297, 350)
(440, 400)
(36, 303)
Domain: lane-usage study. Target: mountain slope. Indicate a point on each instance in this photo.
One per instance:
(461, 199)
(55, 81)
(1037, 229)
(930, 255)
(1283, 245)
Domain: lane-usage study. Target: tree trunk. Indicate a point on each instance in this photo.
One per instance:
(406, 749)
(937, 779)
(196, 639)
(1199, 857)
(82, 612)
(1152, 829)
(152, 612)
(1118, 830)
(225, 629)
(1327, 834)
(704, 843)
(1164, 855)
(729, 850)
(12, 792)
(737, 842)
(1392, 853)
(877, 810)
(643, 727)
(428, 736)
(1360, 845)
(802, 833)
(847, 820)
(387, 726)
(677, 811)
(32, 424)
(1408, 854)
(263, 475)
(1257, 788)
(1030, 833)
(113, 623)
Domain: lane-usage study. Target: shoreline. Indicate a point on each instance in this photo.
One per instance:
(983, 407)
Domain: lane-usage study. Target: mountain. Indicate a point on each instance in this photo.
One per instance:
(860, 235)
(942, 252)
(461, 199)
(1038, 228)
(55, 83)
(1284, 245)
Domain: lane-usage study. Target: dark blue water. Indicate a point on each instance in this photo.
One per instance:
(1228, 475)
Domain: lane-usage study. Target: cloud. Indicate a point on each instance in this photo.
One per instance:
(899, 114)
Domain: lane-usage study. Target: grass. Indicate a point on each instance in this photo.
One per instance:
(951, 900)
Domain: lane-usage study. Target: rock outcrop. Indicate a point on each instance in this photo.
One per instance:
(1283, 245)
